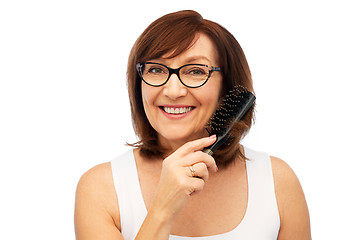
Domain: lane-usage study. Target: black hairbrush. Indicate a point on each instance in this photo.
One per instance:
(234, 106)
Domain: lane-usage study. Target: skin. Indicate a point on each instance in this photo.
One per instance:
(176, 202)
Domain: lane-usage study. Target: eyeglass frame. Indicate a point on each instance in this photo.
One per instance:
(177, 72)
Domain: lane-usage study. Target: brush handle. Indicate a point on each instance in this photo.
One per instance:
(219, 141)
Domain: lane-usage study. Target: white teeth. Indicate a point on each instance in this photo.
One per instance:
(177, 110)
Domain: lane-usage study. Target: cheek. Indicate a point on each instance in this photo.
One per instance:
(148, 99)
(212, 102)
(213, 94)
(209, 101)
(145, 99)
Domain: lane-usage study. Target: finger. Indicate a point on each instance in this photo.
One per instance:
(197, 185)
(197, 145)
(198, 157)
(200, 170)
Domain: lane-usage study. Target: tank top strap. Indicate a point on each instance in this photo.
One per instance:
(131, 203)
(262, 217)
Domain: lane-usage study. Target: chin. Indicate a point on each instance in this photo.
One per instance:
(173, 136)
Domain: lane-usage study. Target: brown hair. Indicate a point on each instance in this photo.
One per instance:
(175, 33)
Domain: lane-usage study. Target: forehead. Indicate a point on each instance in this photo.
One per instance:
(202, 49)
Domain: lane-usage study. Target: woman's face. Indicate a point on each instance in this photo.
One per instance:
(178, 113)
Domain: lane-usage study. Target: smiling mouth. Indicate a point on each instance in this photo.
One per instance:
(175, 110)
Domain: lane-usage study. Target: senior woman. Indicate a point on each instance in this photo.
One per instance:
(166, 187)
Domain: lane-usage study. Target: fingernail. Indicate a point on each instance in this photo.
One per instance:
(213, 136)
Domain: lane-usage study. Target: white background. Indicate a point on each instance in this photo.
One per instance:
(64, 105)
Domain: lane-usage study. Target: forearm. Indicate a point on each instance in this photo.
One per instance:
(154, 227)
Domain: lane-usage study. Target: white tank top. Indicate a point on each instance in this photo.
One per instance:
(261, 220)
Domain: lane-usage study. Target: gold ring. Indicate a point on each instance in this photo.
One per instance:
(193, 172)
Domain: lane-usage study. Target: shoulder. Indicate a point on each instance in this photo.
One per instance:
(99, 179)
(283, 173)
(286, 182)
(292, 206)
(96, 199)
(95, 180)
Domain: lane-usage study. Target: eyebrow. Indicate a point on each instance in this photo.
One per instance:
(191, 59)
(197, 58)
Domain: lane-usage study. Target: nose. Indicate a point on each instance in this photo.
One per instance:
(174, 89)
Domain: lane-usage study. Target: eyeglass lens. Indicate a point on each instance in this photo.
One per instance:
(191, 75)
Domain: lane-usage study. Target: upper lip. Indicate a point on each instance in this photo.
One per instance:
(176, 109)
(176, 106)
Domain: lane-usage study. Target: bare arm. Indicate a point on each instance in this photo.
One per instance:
(293, 210)
(96, 206)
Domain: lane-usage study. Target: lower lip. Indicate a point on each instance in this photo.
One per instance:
(176, 116)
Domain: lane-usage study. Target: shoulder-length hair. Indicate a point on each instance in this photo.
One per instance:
(173, 34)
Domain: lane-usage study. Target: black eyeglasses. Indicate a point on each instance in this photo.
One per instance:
(190, 75)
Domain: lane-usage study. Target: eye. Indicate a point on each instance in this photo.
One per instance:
(155, 70)
(196, 71)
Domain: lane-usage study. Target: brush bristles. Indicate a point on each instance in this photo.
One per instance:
(229, 109)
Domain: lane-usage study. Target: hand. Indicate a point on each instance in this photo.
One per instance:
(177, 182)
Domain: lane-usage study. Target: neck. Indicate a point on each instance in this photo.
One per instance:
(171, 146)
